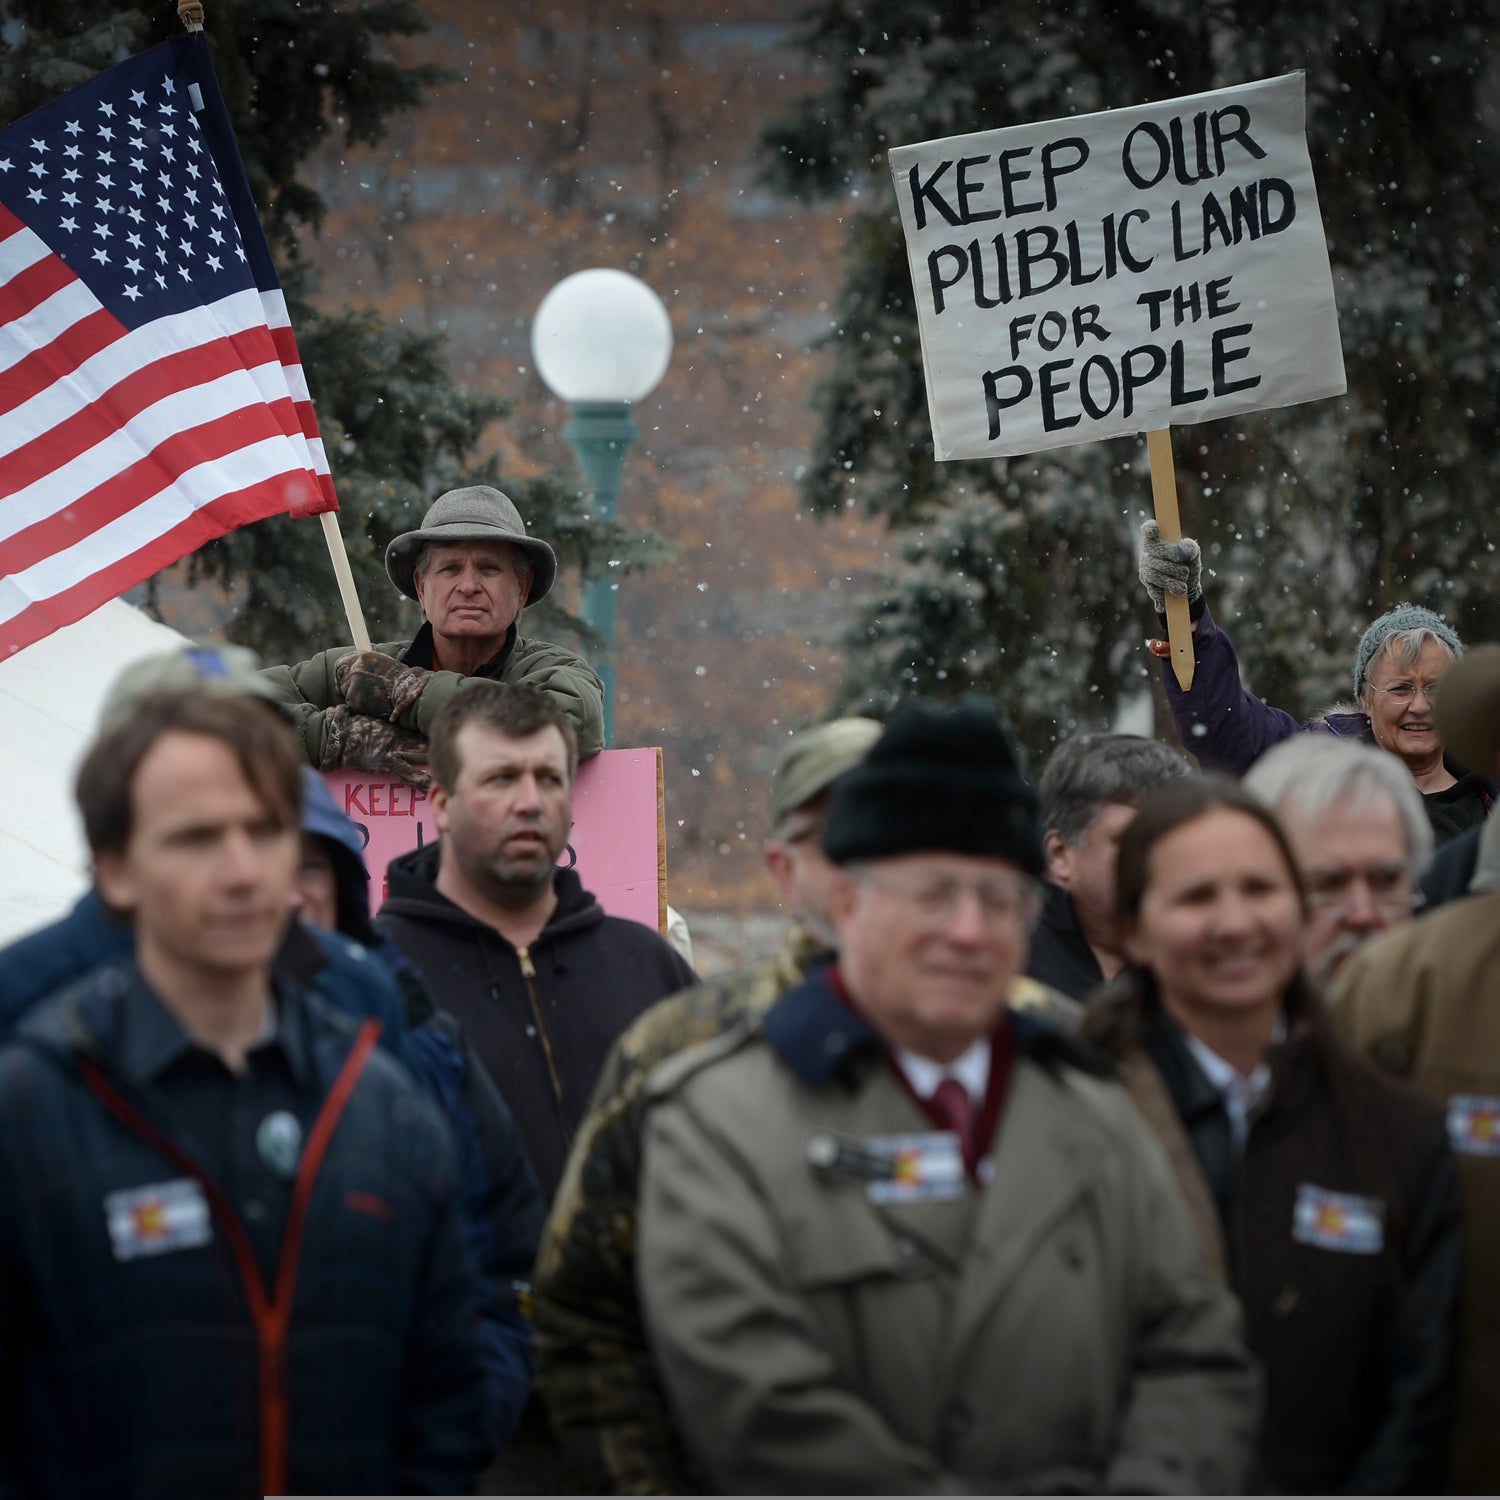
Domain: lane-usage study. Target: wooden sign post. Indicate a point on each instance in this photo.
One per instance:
(1164, 498)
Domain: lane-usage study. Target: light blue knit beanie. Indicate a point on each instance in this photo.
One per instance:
(1403, 617)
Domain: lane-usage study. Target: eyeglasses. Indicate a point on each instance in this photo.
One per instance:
(1335, 888)
(1404, 692)
(933, 899)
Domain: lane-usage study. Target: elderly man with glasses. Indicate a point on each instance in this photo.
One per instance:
(902, 1237)
(1357, 827)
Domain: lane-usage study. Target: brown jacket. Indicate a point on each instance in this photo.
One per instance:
(1056, 1330)
(1423, 1002)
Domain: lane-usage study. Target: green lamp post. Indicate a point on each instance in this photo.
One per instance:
(602, 341)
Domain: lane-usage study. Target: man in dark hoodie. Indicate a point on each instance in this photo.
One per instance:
(502, 1207)
(540, 979)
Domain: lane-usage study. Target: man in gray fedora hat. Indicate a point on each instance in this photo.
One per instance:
(472, 568)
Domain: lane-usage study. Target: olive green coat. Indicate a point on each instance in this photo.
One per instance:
(594, 1369)
(307, 689)
(1056, 1331)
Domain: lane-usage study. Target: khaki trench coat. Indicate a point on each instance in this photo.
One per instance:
(1055, 1331)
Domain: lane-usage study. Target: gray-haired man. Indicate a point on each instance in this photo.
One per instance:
(473, 569)
(1090, 792)
(1358, 829)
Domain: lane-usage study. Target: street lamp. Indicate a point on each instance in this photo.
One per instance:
(602, 341)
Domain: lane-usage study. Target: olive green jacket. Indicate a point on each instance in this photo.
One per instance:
(307, 689)
(1055, 1332)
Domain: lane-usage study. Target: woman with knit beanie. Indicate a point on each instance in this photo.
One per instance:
(1400, 659)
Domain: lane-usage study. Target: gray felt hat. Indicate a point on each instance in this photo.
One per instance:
(475, 514)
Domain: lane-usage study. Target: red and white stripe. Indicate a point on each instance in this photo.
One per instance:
(123, 450)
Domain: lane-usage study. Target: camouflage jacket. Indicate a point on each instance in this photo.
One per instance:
(594, 1367)
(307, 689)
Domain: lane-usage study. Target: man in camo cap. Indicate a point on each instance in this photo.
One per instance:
(594, 1369)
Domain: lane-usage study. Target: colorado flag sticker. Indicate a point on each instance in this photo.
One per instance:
(1338, 1221)
(1474, 1124)
(153, 1220)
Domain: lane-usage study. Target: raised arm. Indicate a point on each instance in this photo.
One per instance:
(1222, 725)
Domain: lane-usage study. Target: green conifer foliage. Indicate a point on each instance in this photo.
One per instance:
(1018, 576)
(397, 430)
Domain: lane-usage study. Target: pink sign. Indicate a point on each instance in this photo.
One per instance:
(617, 844)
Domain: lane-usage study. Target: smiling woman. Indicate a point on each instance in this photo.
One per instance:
(1399, 661)
(1325, 1194)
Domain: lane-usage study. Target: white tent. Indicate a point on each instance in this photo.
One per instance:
(50, 695)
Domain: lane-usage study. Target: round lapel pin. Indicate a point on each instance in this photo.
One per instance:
(278, 1138)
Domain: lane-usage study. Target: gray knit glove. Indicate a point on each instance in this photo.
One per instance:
(378, 685)
(1173, 567)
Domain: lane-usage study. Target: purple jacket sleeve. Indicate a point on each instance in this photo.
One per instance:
(1222, 725)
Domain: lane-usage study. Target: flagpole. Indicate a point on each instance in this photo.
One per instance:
(358, 630)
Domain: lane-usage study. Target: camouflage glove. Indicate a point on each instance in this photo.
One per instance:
(356, 742)
(378, 685)
(1173, 567)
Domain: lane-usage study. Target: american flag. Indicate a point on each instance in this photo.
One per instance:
(151, 393)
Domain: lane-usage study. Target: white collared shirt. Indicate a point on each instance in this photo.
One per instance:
(1239, 1093)
(267, 1023)
(971, 1068)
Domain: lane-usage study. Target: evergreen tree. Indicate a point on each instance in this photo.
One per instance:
(1018, 576)
(396, 429)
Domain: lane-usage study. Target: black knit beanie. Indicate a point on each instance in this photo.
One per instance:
(942, 777)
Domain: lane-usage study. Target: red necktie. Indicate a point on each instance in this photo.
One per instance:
(954, 1110)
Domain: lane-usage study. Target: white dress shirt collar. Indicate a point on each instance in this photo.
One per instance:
(971, 1068)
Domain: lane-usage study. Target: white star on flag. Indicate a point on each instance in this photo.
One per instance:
(143, 411)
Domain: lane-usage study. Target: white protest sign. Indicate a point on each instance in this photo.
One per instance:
(1120, 272)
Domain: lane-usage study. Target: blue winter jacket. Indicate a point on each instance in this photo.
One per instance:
(145, 1355)
(502, 1204)
(60, 954)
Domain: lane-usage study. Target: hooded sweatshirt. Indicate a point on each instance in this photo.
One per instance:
(502, 1207)
(541, 1018)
